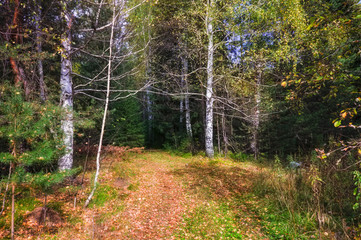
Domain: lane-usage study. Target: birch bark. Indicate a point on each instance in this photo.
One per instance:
(186, 99)
(209, 87)
(256, 116)
(66, 97)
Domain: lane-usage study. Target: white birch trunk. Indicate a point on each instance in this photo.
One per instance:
(209, 87)
(66, 98)
(42, 86)
(182, 100)
(256, 117)
(186, 99)
(105, 111)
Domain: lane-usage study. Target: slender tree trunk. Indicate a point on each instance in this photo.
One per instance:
(105, 110)
(224, 131)
(43, 95)
(209, 87)
(148, 96)
(66, 98)
(149, 112)
(181, 111)
(181, 102)
(218, 136)
(186, 99)
(256, 117)
(12, 211)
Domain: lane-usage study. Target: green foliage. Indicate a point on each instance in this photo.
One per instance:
(31, 132)
(125, 127)
(240, 157)
(357, 190)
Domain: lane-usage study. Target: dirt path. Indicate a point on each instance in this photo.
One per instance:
(155, 209)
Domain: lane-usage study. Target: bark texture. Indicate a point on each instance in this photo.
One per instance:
(186, 99)
(66, 98)
(209, 87)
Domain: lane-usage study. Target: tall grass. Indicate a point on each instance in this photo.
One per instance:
(313, 201)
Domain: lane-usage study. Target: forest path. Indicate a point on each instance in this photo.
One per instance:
(157, 195)
(171, 197)
(155, 204)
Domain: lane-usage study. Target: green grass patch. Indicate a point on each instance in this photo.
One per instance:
(103, 194)
(211, 220)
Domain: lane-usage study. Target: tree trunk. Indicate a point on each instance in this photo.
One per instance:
(181, 111)
(224, 132)
(182, 88)
(12, 211)
(43, 95)
(209, 87)
(181, 102)
(186, 99)
(149, 111)
(105, 110)
(218, 136)
(66, 98)
(256, 116)
(15, 36)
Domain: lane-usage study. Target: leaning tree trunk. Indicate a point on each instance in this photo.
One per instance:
(209, 87)
(66, 97)
(105, 110)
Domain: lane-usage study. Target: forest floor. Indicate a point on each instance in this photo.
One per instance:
(158, 195)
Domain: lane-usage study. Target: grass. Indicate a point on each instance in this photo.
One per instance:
(211, 220)
(102, 195)
(258, 196)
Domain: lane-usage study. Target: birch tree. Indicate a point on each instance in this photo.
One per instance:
(209, 86)
(66, 84)
(109, 72)
(186, 97)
